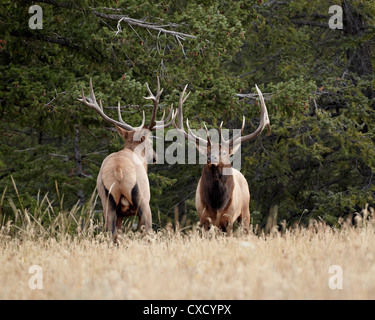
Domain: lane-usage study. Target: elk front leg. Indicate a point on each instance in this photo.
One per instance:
(245, 220)
(206, 223)
(229, 229)
(119, 224)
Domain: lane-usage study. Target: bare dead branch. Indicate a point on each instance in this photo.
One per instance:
(267, 96)
(130, 21)
(60, 155)
(144, 24)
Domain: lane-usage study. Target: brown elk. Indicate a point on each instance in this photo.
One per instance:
(222, 195)
(122, 183)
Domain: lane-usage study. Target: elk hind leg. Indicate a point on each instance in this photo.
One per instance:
(143, 210)
(111, 221)
(121, 212)
(110, 213)
(145, 218)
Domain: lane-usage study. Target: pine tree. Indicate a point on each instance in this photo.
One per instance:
(319, 160)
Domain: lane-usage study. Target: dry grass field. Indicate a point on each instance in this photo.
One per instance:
(76, 260)
(176, 265)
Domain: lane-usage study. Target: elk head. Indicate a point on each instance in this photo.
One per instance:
(219, 153)
(137, 139)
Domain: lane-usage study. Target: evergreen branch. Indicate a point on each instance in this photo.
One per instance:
(273, 3)
(94, 153)
(309, 23)
(130, 21)
(59, 4)
(315, 15)
(60, 41)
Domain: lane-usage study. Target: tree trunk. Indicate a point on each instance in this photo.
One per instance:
(78, 163)
(359, 59)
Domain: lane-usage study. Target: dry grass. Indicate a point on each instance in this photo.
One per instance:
(80, 262)
(189, 266)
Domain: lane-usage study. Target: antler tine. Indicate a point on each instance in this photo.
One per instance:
(181, 131)
(221, 138)
(159, 92)
(155, 101)
(180, 116)
(162, 118)
(170, 113)
(191, 136)
(264, 122)
(152, 96)
(93, 104)
(143, 121)
(234, 138)
(164, 124)
(182, 100)
(119, 111)
(122, 121)
(92, 94)
(163, 121)
(266, 118)
(198, 140)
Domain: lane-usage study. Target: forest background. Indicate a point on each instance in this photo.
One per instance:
(318, 162)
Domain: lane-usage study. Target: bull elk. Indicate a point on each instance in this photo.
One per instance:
(122, 183)
(222, 194)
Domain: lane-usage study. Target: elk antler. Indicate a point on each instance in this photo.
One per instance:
(230, 142)
(237, 139)
(161, 124)
(264, 122)
(180, 127)
(93, 104)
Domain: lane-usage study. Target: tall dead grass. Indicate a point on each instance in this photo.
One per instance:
(83, 264)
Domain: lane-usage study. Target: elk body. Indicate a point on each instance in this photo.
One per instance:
(122, 183)
(222, 195)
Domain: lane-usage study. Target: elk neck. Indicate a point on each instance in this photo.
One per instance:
(132, 144)
(142, 158)
(216, 188)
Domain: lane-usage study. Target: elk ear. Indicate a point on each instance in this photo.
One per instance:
(122, 132)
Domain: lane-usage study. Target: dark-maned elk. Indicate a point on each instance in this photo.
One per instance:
(122, 182)
(222, 195)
